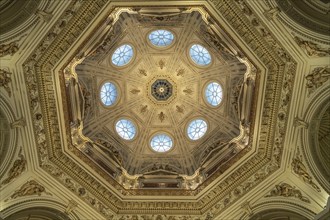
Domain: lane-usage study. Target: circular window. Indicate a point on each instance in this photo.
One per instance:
(126, 129)
(161, 38)
(200, 55)
(122, 55)
(108, 94)
(161, 143)
(213, 93)
(196, 129)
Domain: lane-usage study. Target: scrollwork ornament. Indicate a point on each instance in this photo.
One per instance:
(286, 190)
(317, 78)
(17, 169)
(300, 169)
(5, 79)
(312, 49)
(29, 188)
(8, 49)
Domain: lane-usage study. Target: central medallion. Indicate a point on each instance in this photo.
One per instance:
(161, 90)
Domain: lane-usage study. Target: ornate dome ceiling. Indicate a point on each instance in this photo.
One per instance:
(166, 110)
(163, 96)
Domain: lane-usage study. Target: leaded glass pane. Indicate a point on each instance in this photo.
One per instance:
(126, 129)
(161, 38)
(213, 93)
(200, 55)
(122, 55)
(196, 129)
(108, 94)
(161, 143)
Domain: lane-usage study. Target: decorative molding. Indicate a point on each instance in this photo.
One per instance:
(70, 207)
(299, 168)
(19, 123)
(17, 169)
(143, 109)
(179, 109)
(188, 91)
(161, 64)
(5, 80)
(143, 72)
(297, 122)
(161, 116)
(45, 16)
(272, 13)
(180, 72)
(286, 190)
(317, 78)
(135, 91)
(246, 206)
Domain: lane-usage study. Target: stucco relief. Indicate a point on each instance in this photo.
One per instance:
(318, 77)
(29, 188)
(8, 49)
(286, 190)
(300, 169)
(5, 79)
(17, 169)
(312, 49)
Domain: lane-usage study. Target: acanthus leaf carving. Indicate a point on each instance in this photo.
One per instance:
(5, 79)
(19, 123)
(143, 109)
(312, 49)
(161, 64)
(135, 91)
(161, 116)
(188, 91)
(180, 72)
(17, 169)
(317, 78)
(300, 169)
(286, 190)
(29, 188)
(8, 49)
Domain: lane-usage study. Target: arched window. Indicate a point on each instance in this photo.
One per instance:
(161, 38)
(126, 129)
(196, 129)
(213, 93)
(108, 94)
(200, 55)
(161, 143)
(122, 55)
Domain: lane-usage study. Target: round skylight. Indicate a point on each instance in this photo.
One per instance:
(200, 55)
(161, 143)
(196, 129)
(161, 38)
(122, 55)
(126, 129)
(213, 93)
(108, 94)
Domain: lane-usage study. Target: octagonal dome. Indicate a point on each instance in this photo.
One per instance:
(163, 90)
(122, 169)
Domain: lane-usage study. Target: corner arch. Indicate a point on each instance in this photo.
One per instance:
(8, 136)
(274, 210)
(43, 209)
(314, 148)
